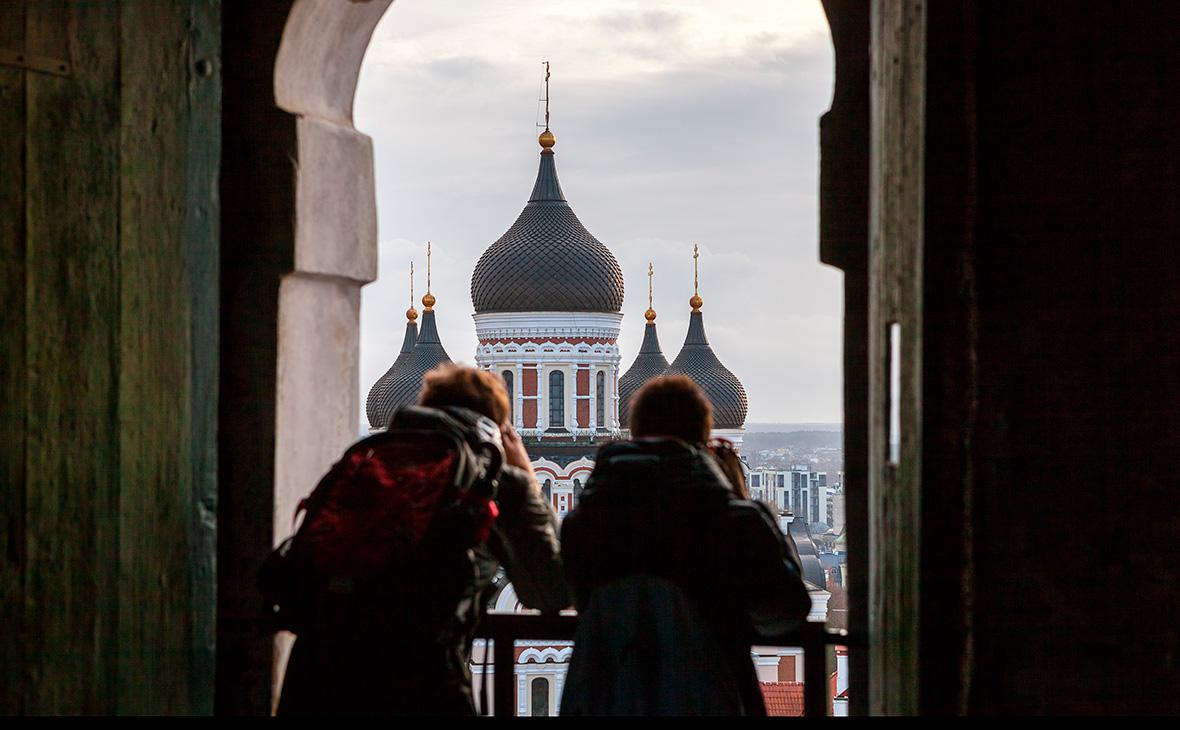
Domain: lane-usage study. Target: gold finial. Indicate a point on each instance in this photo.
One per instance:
(696, 300)
(428, 299)
(650, 314)
(411, 313)
(547, 139)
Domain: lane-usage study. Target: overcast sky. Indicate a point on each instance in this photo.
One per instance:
(676, 123)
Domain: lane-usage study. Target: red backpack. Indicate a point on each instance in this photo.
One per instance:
(394, 502)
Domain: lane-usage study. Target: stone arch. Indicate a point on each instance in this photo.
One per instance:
(299, 240)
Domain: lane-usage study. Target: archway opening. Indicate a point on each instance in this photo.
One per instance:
(333, 243)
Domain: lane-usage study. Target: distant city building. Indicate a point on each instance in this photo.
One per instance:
(836, 509)
(799, 490)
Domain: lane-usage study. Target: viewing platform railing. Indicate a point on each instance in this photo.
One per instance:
(504, 629)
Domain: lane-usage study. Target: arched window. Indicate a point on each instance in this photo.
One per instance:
(600, 395)
(540, 701)
(577, 493)
(557, 400)
(507, 374)
(547, 489)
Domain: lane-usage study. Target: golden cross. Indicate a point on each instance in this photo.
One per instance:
(649, 273)
(695, 255)
(546, 95)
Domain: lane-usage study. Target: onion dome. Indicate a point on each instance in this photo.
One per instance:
(403, 388)
(697, 360)
(379, 393)
(649, 363)
(547, 261)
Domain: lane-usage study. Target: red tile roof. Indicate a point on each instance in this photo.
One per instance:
(783, 699)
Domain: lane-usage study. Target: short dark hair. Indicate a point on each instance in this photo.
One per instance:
(671, 406)
(453, 385)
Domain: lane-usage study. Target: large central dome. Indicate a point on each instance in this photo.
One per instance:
(547, 261)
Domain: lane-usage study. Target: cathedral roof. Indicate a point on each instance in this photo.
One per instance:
(379, 393)
(697, 360)
(547, 261)
(649, 363)
(404, 387)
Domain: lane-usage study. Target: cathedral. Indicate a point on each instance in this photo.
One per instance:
(548, 299)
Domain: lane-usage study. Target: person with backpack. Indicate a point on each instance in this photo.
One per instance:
(388, 574)
(674, 574)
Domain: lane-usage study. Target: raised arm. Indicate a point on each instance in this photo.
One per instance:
(524, 540)
(768, 573)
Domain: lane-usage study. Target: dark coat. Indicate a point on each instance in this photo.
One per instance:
(661, 507)
(657, 657)
(417, 661)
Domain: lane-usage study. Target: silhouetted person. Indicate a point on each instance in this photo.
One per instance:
(659, 545)
(410, 652)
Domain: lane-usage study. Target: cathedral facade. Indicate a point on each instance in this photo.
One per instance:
(548, 299)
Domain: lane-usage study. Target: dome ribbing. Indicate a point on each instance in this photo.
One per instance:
(649, 363)
(547, 261)
(378, 394)
(405, 380)
(723, 389)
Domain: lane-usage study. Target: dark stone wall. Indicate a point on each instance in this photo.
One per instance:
(257, 245)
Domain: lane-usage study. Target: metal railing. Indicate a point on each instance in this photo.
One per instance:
(504, 629)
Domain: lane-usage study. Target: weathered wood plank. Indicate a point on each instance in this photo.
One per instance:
(13, 380)
(153, 488)
(166, 242)
(895, 296)
(73, 297)
(844, 237)
(202, 257)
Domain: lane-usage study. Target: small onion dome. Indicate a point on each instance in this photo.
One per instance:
(378, 394)
(696, 360)
(547, 261)
(403, 388)
(649, 363)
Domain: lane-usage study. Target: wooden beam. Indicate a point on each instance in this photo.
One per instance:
(895, 298)
(844, 243)
(13, 373)
(109, 248)
(72, 305)
(167, 353)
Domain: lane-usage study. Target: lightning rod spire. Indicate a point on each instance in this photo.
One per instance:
(696, 300)
(547, 139)
(650, 314)
(428, 300)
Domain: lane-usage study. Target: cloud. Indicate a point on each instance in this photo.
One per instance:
(649, 22)
(711, 138)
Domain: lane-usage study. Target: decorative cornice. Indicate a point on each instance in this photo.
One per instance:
(535, 342)
(537, 334)
(530, 324)
(549, 347)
